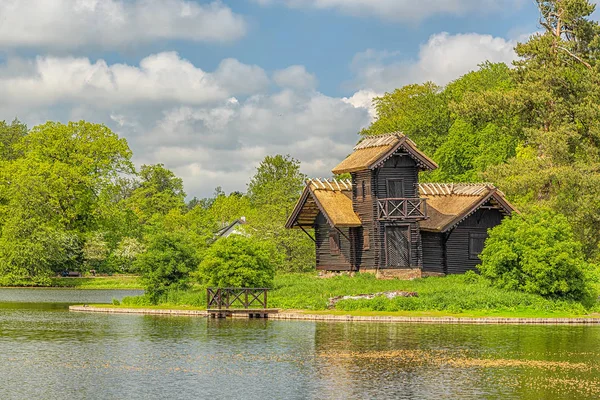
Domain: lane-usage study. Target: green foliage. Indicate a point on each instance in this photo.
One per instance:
(420, 111)
(535, 253)
(238, 261)
(10, 135)
(159, 191)
(273, 192)
(126, 253)
(167, 263)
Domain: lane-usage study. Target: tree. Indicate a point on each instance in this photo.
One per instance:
(535, 253)
(557, 86)
(159, 191)
(166, 264)
(273, 192)
(50, 192)
(10, 135)
(95, 251)
(127, 253)
(419, 111)
(238, 261)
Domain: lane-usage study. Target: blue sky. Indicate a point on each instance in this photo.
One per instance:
(210, 87)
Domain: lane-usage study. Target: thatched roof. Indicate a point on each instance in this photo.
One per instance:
(331, 197)
(448, 204)
(372, 151)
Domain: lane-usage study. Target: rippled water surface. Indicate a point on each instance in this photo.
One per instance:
(47, 352)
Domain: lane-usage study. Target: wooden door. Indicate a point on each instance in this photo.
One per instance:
(397, 246)
(395, 188)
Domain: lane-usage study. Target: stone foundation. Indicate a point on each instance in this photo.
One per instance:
(331, 274)
(405, 274)
(426, 274)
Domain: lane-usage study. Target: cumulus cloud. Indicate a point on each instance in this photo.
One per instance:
(400, 10)
(211, 127)
(295, 77)
(72, 24)
(214, 127)
(442, 59)
(222, 144)
(163, 77)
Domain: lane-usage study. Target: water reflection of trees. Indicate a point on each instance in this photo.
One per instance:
(427, 361)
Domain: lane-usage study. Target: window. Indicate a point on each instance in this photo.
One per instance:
(366, 240)
(395, 188)
(363, 190)
(334, 243)
(476, 242)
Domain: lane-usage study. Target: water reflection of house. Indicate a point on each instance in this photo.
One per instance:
(384, 220)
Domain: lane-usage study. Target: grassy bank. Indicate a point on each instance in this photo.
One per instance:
(99, 282)
(452, 295)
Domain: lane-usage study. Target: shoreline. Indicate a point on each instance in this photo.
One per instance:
(295, 316)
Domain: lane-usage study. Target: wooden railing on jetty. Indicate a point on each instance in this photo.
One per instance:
(244, 297)
(252, 302)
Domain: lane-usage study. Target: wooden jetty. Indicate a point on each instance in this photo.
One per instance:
(238, 302)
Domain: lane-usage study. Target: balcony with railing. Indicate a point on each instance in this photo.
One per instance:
(402, 209)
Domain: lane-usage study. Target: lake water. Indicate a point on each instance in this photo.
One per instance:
(46, 352)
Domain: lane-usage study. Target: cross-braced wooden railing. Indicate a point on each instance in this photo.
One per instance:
(224, 298)
(402, 208)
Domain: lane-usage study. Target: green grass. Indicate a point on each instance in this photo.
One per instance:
(100, 282)
(456, 295)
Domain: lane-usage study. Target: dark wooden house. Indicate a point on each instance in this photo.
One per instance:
(384, 221)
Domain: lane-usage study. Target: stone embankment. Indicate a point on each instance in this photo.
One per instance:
(289, 316)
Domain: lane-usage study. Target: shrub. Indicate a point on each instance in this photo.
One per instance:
(238, 261)
(536, 254)
(166, 264)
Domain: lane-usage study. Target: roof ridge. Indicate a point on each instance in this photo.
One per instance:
(379, 140)
(456, 188)
(330, 184)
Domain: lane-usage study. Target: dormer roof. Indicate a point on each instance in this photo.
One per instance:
(333, 198)
(448, 204)
(373, 151)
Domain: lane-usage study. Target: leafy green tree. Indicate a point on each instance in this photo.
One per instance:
(557, 164)
(167, 263)
(535, 253)
(419, 111)
(238, 261)
(10, 135)
(126, 253)
(159, 191)
(95, 251)
(273, 192)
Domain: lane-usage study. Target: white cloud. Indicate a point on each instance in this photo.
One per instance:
(295, 77)
(72, 24)
(211, 127)
(400, 10)
(221, 145)
(364, 99)
(159, 78)
(442, 59)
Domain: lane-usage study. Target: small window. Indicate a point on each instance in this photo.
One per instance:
(366, 240)
(363, 190)
(476, 242)
(334, 243)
